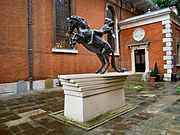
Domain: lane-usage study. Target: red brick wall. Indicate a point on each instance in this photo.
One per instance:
(153, 33)
(14, 42)
(47, 64)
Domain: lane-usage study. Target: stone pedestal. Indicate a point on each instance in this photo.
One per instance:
(90, 95)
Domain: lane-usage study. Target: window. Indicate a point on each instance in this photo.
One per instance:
(61, 11)
(110, 14)
(178, 53)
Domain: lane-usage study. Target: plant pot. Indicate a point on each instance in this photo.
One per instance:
(152, 79)
(158, 78)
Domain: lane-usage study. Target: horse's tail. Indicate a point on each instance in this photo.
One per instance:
(113, 62)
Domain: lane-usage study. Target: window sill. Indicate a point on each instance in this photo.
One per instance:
(116, 54)
(178, 65)
(55, 50)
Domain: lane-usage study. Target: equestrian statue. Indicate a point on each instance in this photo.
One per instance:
(82, 33)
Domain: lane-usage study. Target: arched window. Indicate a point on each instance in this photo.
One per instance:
(61, 12)
(110, 14)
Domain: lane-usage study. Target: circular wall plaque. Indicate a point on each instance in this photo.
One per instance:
(138, 34)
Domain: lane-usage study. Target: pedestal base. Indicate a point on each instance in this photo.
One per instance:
(59, 116)
(90, 95)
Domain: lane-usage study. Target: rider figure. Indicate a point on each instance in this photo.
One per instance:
(107, 28)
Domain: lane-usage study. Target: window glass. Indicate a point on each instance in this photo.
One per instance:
(62, 11)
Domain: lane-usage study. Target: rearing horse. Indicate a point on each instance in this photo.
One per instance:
(83, 35)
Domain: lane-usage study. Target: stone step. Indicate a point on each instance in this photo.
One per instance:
(135, 78)
(90, 95)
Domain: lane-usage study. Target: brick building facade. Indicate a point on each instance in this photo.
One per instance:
(160, 43)
(49, 60)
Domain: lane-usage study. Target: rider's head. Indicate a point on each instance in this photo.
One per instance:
(107, 20)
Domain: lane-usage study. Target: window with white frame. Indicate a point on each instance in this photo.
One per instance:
(61, 10)
(111, 13)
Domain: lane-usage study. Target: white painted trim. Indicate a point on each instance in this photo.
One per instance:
(166, 22)
(140, 23)
(116, 54)
(117, 38)
(168, 66)
(133, 60)
(148, 18)
(164, 15)
(169, 71)
(166, 31)
(167, 57)
(55, 50)
(168, 44)
(117, 51)
(169, 62)
(133, 48)
(168, 53)
(168, 25)
(167, 39)
(167, 48)
(167, 76)
(168, 35)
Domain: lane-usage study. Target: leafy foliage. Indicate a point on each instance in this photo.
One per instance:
(167, 3)
(152, 73)
(155, 71)
(135, 86)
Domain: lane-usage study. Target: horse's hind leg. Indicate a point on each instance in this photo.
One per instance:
(101, 58)
(106, 58)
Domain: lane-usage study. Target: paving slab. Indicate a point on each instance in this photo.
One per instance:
(35, 106)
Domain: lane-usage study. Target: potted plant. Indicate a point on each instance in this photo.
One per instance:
(152, 76)
(157, 73)
(155, 76)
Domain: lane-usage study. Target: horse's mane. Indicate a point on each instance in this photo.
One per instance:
(79, 19)
(76, 17)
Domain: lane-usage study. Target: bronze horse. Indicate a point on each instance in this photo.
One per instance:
(81, 33)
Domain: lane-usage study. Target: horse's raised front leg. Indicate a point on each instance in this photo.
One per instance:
(101, 58)
(72, 43)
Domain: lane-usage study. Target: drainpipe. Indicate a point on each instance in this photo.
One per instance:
(119, 33)
(30, 58)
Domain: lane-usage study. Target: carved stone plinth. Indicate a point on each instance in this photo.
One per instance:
(90, 95)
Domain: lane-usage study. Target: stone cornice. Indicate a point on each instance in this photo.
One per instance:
(152, 17)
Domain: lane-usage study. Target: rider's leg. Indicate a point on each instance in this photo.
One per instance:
(72, 43)
(73, 40)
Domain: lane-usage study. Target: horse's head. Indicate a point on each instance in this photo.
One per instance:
(71, 24)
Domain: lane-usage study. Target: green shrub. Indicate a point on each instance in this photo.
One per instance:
(152, 73)
(156, 71)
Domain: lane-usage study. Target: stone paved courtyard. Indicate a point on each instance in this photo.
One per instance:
(157, 113)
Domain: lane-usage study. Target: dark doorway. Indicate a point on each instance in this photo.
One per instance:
(140, 60)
